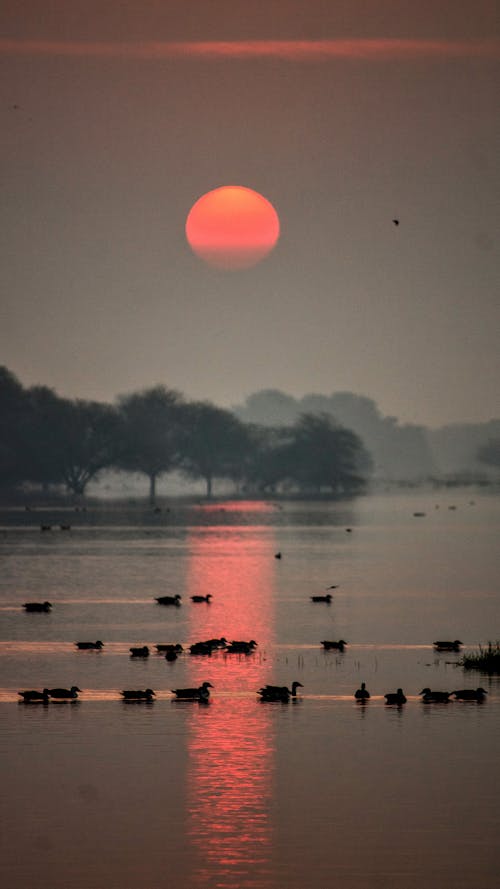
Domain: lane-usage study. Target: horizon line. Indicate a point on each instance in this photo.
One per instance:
(365, 49)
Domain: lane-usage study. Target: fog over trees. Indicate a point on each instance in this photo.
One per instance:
(274, 443)
(400, 452)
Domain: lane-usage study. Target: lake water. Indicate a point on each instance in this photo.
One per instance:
(243, 794)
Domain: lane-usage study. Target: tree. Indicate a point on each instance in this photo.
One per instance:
(268, 461)
(489, 453)
(152, 425)
(215, 444)
(323, 454)
(85, 440)
(14, 420)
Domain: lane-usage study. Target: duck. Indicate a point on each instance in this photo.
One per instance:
(64, 692)
(221, 642)
(445, 645)
(146, 695)
(170, 655)
(327, 598)
(470, 694)
(241, 647)
(397, 697)
(201, 648)
(193, 694)
(279, 692)
(202, 598)
(169, 646)
(31, 697)
(334, 646)
(362, 694)
(143, 651)
(436, 697)
(169, 600)
(37, 606)
(89, 646)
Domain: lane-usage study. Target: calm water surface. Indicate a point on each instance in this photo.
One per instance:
(240, 794)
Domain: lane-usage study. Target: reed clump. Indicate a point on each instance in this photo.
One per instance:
(486, 659)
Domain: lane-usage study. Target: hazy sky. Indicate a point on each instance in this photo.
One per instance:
(116, 116)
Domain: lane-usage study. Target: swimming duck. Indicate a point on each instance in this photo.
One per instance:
(143, 651)
(169, 600)
(170, 655)
(448, 646)
(470, 694)
(241, 647)
(169, 646)
(327, 598)
(436, 697)
(201, 648)
(30, 697)
(279, 692)
(193, 694)
(397, 697)
(37, 606)
(334, 646)
(202, 598)
(362, 694)
(64, 692)
(89, 646)
(146, 695)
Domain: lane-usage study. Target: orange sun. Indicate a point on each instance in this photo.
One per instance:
(232, 227)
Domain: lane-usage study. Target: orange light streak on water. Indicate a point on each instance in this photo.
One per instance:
(231, 741)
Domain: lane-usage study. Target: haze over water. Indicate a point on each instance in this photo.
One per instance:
(242, 794)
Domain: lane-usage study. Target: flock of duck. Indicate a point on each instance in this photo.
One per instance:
(271, 693)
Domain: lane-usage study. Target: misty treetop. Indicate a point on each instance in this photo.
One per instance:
(272, 444)
(48, 440)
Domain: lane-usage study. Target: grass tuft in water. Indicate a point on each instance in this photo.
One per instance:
(486, 659)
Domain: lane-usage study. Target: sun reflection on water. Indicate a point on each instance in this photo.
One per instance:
(231, 741)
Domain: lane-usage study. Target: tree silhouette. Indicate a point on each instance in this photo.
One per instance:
(152, 426)
(323, 454)
(215, 444)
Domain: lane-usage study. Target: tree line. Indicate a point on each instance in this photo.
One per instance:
(47, 440)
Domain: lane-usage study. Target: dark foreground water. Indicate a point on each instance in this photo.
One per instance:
(241, 794)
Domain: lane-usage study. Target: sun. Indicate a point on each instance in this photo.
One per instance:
(232, 227)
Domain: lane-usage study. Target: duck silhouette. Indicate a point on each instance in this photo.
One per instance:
(327, 598)
(169, 600)
(139, 695)
(436, 697)
(63, 693)
(470, 694)
(279, 692)
(32, 697)
(334, 646)
(89, 646)
(37, 606)
(362, 694)
(201, 693)
(142, 651)
(397, 697)
(446, 645)
(202, 598)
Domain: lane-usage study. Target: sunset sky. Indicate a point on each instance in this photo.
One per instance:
(117, 116)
